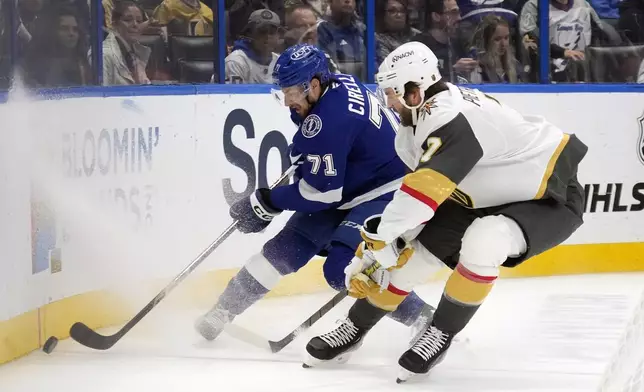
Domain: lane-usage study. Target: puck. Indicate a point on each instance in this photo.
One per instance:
(50, 344)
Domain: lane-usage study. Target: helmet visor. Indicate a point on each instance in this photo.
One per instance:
(290, 95)
(387, 95)
(382, 97)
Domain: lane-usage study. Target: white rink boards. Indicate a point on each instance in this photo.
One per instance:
(102, 196)
(537, 334)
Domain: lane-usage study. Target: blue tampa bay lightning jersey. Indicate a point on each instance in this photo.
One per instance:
(347, 147)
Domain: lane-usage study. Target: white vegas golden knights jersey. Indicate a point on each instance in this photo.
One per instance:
(479, 152)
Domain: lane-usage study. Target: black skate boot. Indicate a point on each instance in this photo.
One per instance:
(336, 345)
(428, 351)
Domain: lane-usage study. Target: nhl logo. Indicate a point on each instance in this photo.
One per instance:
(640, 141)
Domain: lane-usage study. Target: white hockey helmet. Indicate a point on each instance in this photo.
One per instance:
(410, 62)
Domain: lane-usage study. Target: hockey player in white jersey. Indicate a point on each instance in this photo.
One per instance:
(488, 187)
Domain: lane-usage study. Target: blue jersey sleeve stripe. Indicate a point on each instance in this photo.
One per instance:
(309, 193)
(289, 197)
(391, 186)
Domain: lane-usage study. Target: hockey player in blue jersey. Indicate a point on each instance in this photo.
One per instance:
(348, 172)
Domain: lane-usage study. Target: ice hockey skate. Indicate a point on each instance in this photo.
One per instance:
(427, 352)
(212, 324)
(336, 345)
(422, 322)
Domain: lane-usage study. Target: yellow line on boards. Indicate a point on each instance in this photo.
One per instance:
(20, 335)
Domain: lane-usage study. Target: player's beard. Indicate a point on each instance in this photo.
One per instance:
(405, 117)
(305, 110)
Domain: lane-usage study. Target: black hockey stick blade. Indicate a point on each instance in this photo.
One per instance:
(277, 346)
(90, 338)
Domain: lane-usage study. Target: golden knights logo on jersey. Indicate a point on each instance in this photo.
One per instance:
(426, 109)
(640, 141)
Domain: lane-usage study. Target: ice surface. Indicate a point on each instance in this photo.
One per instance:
(540, 334)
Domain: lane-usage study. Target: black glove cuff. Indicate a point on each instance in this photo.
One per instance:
(371, 224)
(265, 196)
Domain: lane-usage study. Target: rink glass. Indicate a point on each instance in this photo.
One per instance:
(61, 43)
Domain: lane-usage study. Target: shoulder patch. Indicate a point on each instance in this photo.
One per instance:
(311, 126)
(426, 109)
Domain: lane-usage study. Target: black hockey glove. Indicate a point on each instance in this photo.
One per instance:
(255, 212)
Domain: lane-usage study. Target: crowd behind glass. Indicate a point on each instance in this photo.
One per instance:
(54, 43)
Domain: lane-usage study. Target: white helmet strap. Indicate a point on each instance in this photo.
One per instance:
(414, 109)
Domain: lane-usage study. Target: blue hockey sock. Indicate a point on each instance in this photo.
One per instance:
(408, 311)
(242, 291)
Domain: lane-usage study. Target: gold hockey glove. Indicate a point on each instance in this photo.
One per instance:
(393, 255)
(364, 276)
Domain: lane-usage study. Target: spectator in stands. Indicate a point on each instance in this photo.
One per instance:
(301, 15)
(495, 54)
(108, 6)
(302, 27)
(80, 8)
(341, 36)
(640, 73)
(319, 7)
(571, 25)
(5, 47)
(57, 55)
(185, 17)
(629, 67)
(443, 17)
(415, 12)
(124, 58)
(238, 12)
(474, 11)
(253, 59)
(28, 13)
(606, 9)
(631, 21)
(392, 27)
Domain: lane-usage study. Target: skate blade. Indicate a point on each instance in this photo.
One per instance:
(405, 375)
(311, 361)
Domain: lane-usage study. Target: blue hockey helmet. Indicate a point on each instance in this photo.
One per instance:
(299, 64)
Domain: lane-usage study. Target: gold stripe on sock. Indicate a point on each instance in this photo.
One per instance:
(468, 288)
(387, 299)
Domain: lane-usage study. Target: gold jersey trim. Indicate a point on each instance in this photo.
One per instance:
(431, 184)
(551, 166)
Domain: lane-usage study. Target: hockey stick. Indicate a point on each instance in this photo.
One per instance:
(250, 337)
(256, 340)
(280, 344)
(86, 336)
